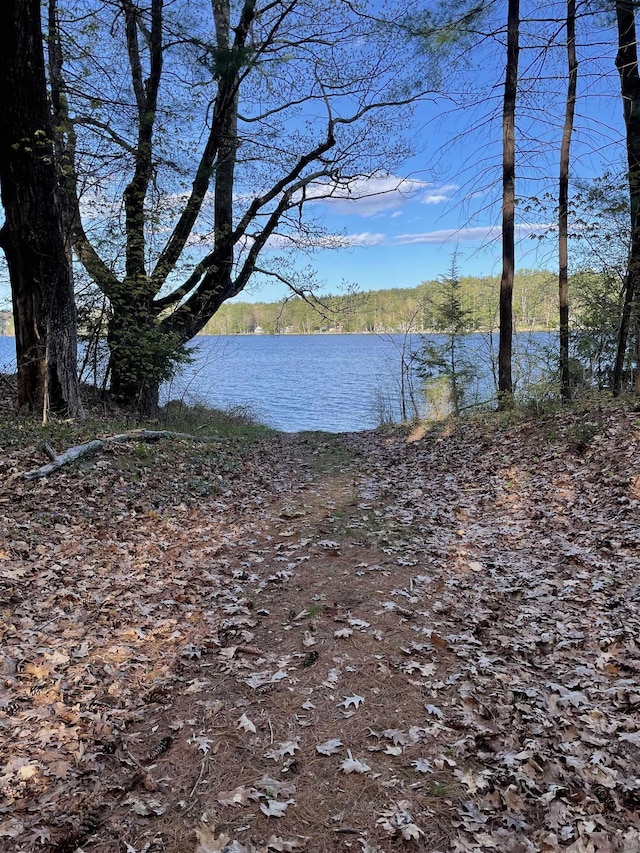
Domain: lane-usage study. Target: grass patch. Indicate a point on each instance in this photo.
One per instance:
(235, 422)
(330, 455)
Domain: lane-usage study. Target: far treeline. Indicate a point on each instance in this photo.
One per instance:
(396, 310)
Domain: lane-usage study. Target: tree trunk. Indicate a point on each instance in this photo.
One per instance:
(563, 206)
(505, 382)
(627, 65)
(138, 360)
(637, 333)
(32, 236)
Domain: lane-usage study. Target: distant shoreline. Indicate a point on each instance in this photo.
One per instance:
(439, 332)
(332, 333)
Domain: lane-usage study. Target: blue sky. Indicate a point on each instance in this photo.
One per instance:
(405, 230)
(407, 234)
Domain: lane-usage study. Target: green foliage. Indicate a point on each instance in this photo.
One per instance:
(143, 356)
(439, 789)
(602, 237)
(540, 396)
(448, 368)
(445, 25)
(598, 303)
(438, 397)
(151, 352)
(582, 434)
(601, 225)
(199, 419)
(144, 453)
(223, 62)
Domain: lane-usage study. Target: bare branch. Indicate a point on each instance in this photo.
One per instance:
(147, 99)
(65, 147)
(88, 121)
(285, 182)
(131, 22)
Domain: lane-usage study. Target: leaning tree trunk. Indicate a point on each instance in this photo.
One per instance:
(32, 236)
(505, 381)
(627, 65)
(563, 206)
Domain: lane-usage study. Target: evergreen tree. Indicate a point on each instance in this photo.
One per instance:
(449, 360)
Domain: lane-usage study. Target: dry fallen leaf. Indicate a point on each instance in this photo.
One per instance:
(275, 808)
(631, 737)
(272, 788)
(537, 677)
(203, 743)
(354, 700)
(329, 747)
(146, 807)
(11, 827)
(246, 725)
(332, 678)
(208, 842)
(287, 846)
(197, 686)
(369, 848)
(425, 669)
(289, 747)
(353, 765)
(398, 820)
(60, 768)
(240, 796)
(437, 641)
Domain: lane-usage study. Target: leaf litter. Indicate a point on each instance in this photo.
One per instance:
(473, 598)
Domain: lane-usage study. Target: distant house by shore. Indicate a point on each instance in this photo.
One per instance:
(6, 323)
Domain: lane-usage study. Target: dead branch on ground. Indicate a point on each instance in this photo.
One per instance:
(96, 444)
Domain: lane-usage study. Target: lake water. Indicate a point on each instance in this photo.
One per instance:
(336, 383)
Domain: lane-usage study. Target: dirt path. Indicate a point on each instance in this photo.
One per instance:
(328, 643)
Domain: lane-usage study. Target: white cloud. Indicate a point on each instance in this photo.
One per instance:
(433, 199)
(366, 238)
(377, 193)
(455, 235)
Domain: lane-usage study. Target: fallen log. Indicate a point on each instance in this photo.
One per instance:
(80, 450)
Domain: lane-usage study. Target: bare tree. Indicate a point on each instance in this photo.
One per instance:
(31, 236)
(505, 381)
(293, 101)
(627, 65)
(563, 201)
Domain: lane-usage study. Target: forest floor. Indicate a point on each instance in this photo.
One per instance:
(380, 641)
